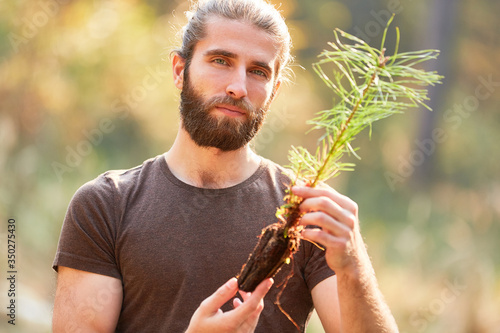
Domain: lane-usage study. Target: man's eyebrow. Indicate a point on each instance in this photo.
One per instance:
(220, 52)
(224, 53)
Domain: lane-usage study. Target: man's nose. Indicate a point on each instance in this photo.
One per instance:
(237, 88)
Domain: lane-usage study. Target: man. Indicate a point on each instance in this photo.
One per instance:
(144, 249)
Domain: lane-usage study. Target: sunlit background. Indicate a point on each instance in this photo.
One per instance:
(85, 86)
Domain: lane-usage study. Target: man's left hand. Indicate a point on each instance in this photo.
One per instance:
(337, 216)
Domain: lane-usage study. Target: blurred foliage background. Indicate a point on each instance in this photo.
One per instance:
(85, 86)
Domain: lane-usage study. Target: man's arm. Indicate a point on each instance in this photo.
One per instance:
(327, 308)
(86, 301)
(353, 294)
(91, 302)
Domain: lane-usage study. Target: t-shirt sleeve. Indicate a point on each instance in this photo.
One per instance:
(88, 234)
(316, 268)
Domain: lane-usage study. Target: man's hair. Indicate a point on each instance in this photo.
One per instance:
(259, 13)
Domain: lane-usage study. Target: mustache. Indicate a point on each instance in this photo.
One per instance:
(242, 104)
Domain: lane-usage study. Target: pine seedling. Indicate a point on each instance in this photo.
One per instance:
(368, 86)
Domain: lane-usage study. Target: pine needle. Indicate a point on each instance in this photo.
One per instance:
(368, 86)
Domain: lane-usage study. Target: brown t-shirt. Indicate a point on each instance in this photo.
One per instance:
(172, 244)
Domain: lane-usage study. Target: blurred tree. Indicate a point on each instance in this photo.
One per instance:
(74, 78)
(440, 33)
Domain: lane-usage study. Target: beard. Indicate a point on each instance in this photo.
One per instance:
(222, 132)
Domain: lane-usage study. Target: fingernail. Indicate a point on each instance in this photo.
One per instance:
(232, 283)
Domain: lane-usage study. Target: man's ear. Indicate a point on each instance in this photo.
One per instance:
(178, 66)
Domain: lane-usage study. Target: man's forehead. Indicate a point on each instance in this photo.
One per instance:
(241, 39)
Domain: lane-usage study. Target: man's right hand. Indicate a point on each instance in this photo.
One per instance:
(243, 318)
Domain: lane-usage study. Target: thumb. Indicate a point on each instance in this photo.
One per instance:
(213, 303)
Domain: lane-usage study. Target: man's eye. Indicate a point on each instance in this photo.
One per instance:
(220, 61)
(259, 72)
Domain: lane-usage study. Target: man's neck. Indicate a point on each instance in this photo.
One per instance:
(209, 167)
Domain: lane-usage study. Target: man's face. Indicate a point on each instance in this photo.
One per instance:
(223, 132)
(227, 90)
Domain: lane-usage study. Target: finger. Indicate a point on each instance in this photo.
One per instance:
(326, 191)
(321, 237)
(250, 323)
(255, 301)
(213, 303)
(326, 222)
(249, 318)
(328, 206)
(245, 295)
(237, 302)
